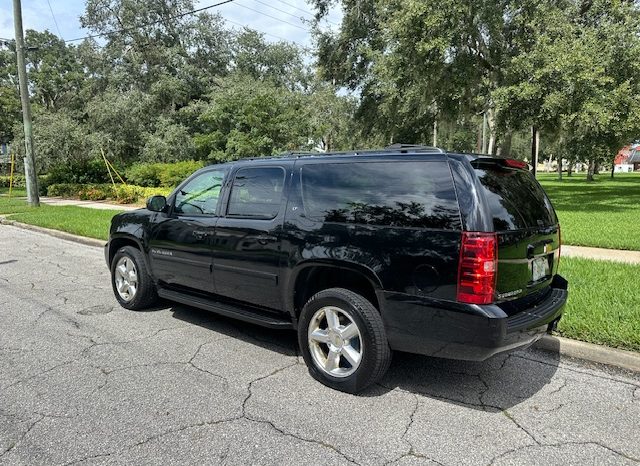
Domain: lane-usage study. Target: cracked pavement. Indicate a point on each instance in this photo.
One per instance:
(83, 381)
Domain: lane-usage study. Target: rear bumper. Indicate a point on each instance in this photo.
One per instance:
(469, 332)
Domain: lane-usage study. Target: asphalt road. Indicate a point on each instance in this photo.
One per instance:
(85, 381)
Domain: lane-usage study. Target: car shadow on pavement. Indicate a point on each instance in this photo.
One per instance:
(280, 341)
(493, 385)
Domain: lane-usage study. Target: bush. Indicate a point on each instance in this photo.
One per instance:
(166, 175)
(18, 181)
(123, 194)
(87, 192)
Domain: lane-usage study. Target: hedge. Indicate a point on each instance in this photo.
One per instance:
(18, 181)
(166, 175)
(123, 194)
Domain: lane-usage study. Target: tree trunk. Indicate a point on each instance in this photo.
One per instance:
(479, 139)
(505, 144)
(435, 133)
(569, 168)
(491, 120)
(613, 169)
(591, 170)
(559, 168)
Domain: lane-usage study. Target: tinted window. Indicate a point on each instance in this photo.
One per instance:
(516, 200)
(200, 195)
(399, 194)
(256, 193)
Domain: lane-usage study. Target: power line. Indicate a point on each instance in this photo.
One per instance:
(303, 47)
(306, 12)
(117, 31)
(278, 9)
(272, 17)
(54, 20)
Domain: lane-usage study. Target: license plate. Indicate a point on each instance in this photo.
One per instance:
(540, 268)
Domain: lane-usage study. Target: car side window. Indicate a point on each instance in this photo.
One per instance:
(256, 193)
(200, 195)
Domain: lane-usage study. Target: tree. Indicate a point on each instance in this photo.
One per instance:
(420, 61)
(249, 118)
(578, 82)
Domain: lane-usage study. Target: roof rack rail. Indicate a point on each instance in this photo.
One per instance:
(407, 147)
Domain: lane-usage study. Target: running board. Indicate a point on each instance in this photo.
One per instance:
(224, 309)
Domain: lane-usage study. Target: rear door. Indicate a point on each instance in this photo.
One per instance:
(527, 227)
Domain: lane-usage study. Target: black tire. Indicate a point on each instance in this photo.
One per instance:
(376, 354)
(146, 294)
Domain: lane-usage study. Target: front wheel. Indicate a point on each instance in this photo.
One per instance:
(132, 285)
(343, 340)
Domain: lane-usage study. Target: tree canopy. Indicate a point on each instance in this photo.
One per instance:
(161, 84)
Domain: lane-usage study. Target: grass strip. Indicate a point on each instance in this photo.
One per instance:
(92, 223)
(604, 213)
(604, 303)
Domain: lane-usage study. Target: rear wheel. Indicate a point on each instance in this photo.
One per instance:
(343, 340)
(132, 285)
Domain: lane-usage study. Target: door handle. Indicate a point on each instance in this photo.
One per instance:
(200, 234)
(264, 239)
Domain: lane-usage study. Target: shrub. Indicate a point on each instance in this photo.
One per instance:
(166, 175)
(18, 181)
(123, 194)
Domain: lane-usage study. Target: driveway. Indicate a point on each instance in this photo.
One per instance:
(85, 381)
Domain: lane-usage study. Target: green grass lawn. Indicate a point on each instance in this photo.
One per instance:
(93, 223)
(604, 213)
(604, 303)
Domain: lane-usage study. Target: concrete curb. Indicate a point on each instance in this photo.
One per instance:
(627, 360)
(622, 359)
(55, 233)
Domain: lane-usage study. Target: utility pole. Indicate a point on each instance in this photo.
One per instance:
(29, 159)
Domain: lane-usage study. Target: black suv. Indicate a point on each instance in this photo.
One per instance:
(407, 248)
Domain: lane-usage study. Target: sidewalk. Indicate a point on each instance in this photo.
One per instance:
(616, 255)
(89, 204)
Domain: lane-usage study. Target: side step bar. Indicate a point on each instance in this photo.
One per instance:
(224, 309)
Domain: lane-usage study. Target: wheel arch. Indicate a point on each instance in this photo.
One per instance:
(118, 241)
(313, 276)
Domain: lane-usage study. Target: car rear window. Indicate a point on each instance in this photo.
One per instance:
(516, 199)
(397, 194)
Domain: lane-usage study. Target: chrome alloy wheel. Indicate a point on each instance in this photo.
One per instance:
(335, 342)
(126, 278)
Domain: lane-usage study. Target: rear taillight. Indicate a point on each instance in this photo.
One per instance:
(477, 268)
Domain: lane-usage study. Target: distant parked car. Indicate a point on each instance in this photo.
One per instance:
(407, 248)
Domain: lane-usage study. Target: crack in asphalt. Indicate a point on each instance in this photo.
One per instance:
(578, 371)
(41, 373)
(243, 415)
(511, 417)
(561, 444)
(22, 437)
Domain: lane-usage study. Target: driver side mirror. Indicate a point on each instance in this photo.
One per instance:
(157, 203)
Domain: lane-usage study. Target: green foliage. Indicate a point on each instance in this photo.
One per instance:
(166, 175)
(18, 181)
(246, 118)
(123, 194)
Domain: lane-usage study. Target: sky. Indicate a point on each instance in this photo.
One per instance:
(278, 19)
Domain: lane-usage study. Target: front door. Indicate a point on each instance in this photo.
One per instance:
(246, 249)
(181, 242)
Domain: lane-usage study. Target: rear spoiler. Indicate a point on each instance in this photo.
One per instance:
(501, 161)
